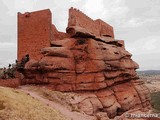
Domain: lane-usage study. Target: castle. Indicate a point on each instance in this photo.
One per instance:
(86, 60)
(35, 30)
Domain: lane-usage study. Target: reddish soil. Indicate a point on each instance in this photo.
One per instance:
(14, 83)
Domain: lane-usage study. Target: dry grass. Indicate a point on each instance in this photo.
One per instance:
(56, 96)
(16, 105)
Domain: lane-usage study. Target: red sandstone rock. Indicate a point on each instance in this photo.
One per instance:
(57, 52)
(96, 104)
(86, 106)
(30, 64)
(79, 32)
(86, 60)
(66, 42)
(128, 64)
(89, 78)
(57, 63)
(91, 86)
(128, 99)
(102, 116)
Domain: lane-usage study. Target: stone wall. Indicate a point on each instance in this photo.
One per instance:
(97, 27)
(104, 28)
(14, 83)
(34, 33)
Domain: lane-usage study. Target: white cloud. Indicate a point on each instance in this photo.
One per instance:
(148, 61)
(106, 9)
(7, 46)
(136, 22)
(24, 5)
(75, 1)
(147, 45)
(8, 53)
(94, 7)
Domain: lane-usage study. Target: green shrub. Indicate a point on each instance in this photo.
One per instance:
(155, 101)
(1, 74)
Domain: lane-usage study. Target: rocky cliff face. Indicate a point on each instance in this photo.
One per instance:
(88, 60)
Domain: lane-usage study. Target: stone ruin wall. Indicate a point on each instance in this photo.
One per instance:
(35, 30)
(34, 33)
(105, 29)
(97, 27)
(77, 18)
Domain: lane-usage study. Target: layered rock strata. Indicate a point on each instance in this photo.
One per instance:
(88, 60)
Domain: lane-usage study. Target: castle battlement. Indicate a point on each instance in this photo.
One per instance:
(97, 27)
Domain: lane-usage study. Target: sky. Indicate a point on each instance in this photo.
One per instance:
(137, 22)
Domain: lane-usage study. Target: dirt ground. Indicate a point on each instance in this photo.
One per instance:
(40, 94)
(152, 82)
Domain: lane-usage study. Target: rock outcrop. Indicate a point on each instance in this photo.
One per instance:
(89, 61)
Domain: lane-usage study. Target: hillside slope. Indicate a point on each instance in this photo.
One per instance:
(16, 105)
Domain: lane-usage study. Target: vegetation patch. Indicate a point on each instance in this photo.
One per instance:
(16, 105)
(155, 100)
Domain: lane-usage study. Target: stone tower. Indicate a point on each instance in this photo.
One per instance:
(34, 33)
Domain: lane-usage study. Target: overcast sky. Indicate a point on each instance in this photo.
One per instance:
(135, 21)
